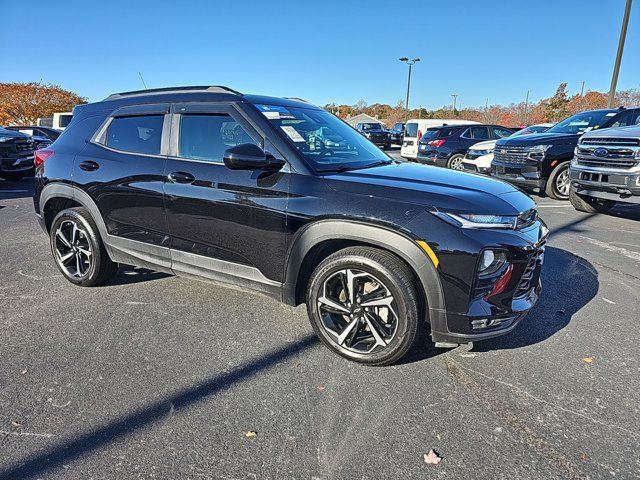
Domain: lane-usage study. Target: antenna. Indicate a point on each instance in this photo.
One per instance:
(143, 84)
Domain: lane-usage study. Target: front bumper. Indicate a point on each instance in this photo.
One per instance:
(616, 185)
(473, 168)
(16, 163)
(527, 176)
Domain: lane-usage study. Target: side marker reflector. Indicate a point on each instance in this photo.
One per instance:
(430, 253)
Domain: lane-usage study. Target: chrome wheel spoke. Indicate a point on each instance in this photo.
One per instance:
(85, 252)
(66, 257)
(379, 302)
(72, 249)
(334, 305)
(352, 327)
(376, 335)
(78, 271)
(74, 233)
(63, 239)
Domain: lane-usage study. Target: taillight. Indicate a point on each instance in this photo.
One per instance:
(437, 143)
(419, 135)
(501, 283)
(41, 156)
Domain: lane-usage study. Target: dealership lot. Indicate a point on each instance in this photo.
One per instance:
(159, 376)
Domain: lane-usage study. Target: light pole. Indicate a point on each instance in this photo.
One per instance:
(406, 104)
(616, 66)
(455, 97)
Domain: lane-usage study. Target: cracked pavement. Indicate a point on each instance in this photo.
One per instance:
(154, 376)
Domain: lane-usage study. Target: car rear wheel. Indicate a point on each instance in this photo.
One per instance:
(78, 250)
(586, 204)
(559, 183)
(455, 162)
(362, 303)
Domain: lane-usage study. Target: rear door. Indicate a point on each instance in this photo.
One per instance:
(223, 223)
(122, 169)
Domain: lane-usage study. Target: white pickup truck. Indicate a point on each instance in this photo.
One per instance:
(58, 120)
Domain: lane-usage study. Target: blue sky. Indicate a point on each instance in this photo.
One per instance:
(323, 51)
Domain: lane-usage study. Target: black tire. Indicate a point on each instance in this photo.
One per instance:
(95, 268)
(455, 162)
(398, 281)
(586, 204)
(561, 172)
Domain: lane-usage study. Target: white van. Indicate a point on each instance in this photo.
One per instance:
(416, 127)
(58, 121)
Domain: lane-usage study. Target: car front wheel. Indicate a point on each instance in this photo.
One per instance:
(559, 183)
(78, 250)
(362, 303)
(586, 204)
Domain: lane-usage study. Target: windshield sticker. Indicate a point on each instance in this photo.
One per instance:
(611, 114)
(292, 133)
(275, 112)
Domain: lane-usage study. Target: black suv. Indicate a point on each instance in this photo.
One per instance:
(446, 146)
(16, 154)
(37, 131)
(540, 162)
(237, 189)
(397, 133)
(376, 133)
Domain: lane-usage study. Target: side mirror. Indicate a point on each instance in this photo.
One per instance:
(248, 156)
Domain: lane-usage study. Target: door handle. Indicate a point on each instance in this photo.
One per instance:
(89, 165)
(181, 177)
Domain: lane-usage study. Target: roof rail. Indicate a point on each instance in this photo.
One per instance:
(297, 98)
(151, 91)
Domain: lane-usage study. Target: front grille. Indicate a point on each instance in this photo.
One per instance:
(511, 155)
(606, 163)
(531, 273)
(24, 146)
(623, 142)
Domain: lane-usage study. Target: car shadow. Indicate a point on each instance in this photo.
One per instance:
(128, 275)
(626, 211)
(569, 282)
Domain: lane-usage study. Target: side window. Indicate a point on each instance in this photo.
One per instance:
(631, 117)
(140, 134)
(501, 132)
(479, 133)
(206, 137)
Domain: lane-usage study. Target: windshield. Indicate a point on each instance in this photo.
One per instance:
(582, 122)
(531, 129)
(371, 126)
(326, 142)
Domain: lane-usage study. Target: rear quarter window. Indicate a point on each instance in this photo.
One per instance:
(139, 134)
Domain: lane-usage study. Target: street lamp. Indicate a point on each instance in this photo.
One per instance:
(410, 63)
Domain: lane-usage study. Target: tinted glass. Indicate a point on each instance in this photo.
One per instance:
(479, 133)
(412, 130)
(631, 117)
(65, 120)
(429, 135)
(582, 122)
(531, 129)
(136, 134)
(501, 132)
(371, 126)
(323, 139)
(206, 137)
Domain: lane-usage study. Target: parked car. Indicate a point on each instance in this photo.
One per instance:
(16, 154)
(376, 133)
(414, 129)
(33, 130)
(447, 146)
(606, 169)
(479, 156)
(59, 120)
(39, 141)
(374, 247)
(397, 133)
(540, 162)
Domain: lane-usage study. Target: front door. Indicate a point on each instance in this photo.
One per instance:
(225, 224)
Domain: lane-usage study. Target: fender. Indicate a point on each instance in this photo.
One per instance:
(385, 238)
(121, 250)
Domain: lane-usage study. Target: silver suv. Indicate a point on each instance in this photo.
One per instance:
(606, 169)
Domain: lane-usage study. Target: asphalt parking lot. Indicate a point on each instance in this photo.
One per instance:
(155, 376)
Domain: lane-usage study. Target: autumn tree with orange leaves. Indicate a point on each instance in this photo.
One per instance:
(24, 103)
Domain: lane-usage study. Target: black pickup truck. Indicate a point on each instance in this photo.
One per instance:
(376, 133)
(16, 154)
(540, 161)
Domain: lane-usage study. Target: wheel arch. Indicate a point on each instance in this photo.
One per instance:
(324, 237)
(55, 197)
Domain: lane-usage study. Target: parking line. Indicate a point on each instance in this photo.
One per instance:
(622, 251)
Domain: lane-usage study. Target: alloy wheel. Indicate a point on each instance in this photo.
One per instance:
(73, 249)
(563, 184)
(358, 311)
(456, 163)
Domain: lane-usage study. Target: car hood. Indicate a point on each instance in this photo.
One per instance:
(631, 131)
(539, 139)
(486, 145)
(433, 187)
(5, 132)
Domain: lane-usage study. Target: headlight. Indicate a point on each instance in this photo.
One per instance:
(483, 152)
(367, 134)
(5, 139)
(470, 220)
(491, 261)
(537, 152)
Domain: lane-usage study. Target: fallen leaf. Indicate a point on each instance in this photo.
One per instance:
(23, 372)
(587, 360)
(250, 434)
(584, 457)
(432, 458)
(16, 424)
(321, 388)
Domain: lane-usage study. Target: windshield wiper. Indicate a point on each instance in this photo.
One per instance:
(375, 164)
(336, 169)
